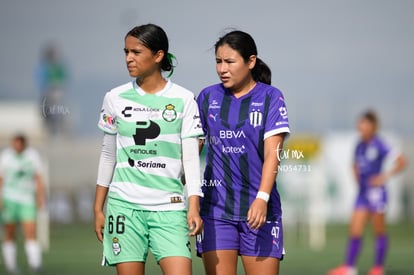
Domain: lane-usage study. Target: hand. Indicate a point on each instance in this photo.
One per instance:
(99, 225)
(195, 223)
(378, 180)
(256, 216)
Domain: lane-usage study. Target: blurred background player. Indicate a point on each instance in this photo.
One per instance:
(51, 77)
(22, 193)
(370, 155)
(151, 128)
(245, 121)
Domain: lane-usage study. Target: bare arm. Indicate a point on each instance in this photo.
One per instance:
(100, 197)
(257, 213)
(40, 191)
(355, 171)
(106, 168)
(1, 192)
(399, 164)
(201, 142)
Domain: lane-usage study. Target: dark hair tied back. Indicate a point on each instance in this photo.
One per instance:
(244, 44)
(154, 38)
(371, 116)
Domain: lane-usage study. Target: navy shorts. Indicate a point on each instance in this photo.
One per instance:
(221, 234)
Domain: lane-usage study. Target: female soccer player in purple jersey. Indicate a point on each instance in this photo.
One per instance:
(245, 121)
(371, 201)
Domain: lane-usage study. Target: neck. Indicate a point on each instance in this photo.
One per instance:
(244, 89)
(151, 84)
(368, 138)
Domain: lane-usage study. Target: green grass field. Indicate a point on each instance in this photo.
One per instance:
(75, 251)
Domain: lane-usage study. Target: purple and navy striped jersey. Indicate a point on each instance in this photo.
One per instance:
(235, 130)
(369, 158)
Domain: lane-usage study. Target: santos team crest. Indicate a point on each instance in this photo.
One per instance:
(169, 114)
(256, 118)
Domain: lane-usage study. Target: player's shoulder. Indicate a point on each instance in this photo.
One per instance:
(212, 90)
(32, 153)
(6, 152)
(269, 90)
(215, 88)
(119, 89)
(180, 91)
(381, 142)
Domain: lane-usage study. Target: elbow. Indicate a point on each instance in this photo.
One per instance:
(402, 162)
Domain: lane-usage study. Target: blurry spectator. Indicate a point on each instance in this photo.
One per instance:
(51, 77)
(22, 194)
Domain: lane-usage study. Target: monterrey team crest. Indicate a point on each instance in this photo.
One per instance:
(256, 118)
(169, 114)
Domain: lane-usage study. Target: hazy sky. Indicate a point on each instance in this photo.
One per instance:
(331, 59)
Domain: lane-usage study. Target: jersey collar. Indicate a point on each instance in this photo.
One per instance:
(159, 93)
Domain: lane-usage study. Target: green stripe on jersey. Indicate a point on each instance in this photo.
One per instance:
(150, 129)
(148, 180)
(151, 150)
(153, 100)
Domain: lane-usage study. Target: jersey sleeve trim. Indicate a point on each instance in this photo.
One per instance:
(105, 130)
(276, 132)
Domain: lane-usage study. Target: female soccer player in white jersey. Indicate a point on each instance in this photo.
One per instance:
(370, 154)
(245, 121)
(22, 194)
(151, 128)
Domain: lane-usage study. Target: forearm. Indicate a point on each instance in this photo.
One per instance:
(201, 142)
(191, 165)
(269, 172)
(100, 198)
(107, 160)
(40, 191)
(1, 191)
(271, 161)
(194, 203)
(399, 165)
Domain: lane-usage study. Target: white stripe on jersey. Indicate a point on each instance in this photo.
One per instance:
(146, 197)
(124, 141)
(170, 170)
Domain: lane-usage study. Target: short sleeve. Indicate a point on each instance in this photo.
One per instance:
(386, 151)
(201, 103)
(277, 121)
(191, 125)
(37, 161)
(2, 154)
(106, 120)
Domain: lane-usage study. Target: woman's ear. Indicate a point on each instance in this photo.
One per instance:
(252, 61)
(159, 56)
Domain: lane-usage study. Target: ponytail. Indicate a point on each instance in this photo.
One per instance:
(167, 63)
(243, 43)
(261, 72)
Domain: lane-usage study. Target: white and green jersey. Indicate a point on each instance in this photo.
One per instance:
(149, 129)
(18, 172)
